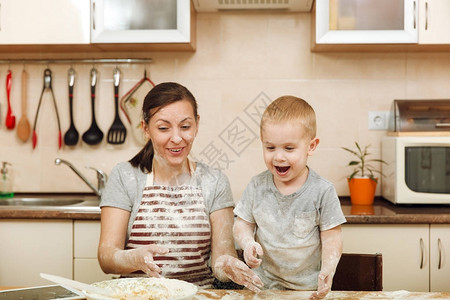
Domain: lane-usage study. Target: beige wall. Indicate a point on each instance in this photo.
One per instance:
(242, 62)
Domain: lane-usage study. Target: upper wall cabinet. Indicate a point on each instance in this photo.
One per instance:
(38, 29)
(141, 21)
(366, 22)
(398, 24)
(434, 22)
(44, 22)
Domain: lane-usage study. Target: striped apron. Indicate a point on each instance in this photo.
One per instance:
(175, 217)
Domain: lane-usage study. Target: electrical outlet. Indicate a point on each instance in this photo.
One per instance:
(378, 120)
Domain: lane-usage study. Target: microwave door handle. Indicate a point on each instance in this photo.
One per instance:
(442, 125)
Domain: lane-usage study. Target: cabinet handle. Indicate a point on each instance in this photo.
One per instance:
(440, 254)
(426, 15)
(93, 15)
(422, 246)
(414, 14)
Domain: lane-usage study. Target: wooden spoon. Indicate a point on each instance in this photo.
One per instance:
(23, 127)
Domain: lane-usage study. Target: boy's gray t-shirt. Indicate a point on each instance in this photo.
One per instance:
(126, 184)
(288, 228)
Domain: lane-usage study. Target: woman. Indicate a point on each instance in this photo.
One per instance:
(165, 215)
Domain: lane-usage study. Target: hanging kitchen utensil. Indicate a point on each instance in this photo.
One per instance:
(71, 136)
(131, 104)
(47, 86)
(93, 135)
(10, 118)
(117, 133)
(23, 127)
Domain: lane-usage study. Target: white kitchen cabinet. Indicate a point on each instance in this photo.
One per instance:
(440, 258)
(418, 22)
(141, 21)
(85, 264)
(416, 257)
(29, 247)
(434, 22)
(404, 248)
(366, 22)
(37, 29)
(44, 22)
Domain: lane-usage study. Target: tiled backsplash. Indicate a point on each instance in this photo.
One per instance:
(242, 62)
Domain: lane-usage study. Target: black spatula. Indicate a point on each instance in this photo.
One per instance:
(117, 133)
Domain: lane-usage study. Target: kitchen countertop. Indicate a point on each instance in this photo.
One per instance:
(385, 212)
(381, 212)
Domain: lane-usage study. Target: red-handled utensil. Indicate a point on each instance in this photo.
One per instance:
(10, 118)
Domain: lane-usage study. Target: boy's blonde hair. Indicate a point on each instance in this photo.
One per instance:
(290, 108)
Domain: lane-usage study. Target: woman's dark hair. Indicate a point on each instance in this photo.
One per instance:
(159, 96)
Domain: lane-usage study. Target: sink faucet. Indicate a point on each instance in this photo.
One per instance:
(101, 176)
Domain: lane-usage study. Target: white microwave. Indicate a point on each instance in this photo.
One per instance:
(417, 169)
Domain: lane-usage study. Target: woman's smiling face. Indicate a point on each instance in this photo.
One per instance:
(172, 130)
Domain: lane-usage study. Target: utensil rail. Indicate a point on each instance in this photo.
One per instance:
(79, 61)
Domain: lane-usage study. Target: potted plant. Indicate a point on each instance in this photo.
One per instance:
(362, 182)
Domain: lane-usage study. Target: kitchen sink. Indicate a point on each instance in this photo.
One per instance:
(51, 202)
(39, 202)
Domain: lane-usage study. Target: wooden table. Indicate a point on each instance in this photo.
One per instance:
(298, 295)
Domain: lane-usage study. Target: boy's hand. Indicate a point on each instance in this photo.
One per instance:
(251, 252)
(239, 272)
(324, 285)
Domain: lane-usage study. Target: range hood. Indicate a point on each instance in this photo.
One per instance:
(227, 5)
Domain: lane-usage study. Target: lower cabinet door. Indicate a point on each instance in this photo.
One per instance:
(29, 247)
(88, 270)
(404, 248)
(85, 264)
(440, 258)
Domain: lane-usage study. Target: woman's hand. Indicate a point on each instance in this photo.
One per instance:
(251, 251)
(239, 272)
(142, 259)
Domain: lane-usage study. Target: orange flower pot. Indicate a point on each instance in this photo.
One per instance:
(362, 190)
(362, 209)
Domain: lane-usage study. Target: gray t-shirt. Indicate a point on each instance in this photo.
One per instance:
(126, 184)
(288, 228)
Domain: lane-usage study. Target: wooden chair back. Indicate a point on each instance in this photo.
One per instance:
(359, 272)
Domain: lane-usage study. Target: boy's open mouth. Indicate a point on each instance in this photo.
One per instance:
(282, 170)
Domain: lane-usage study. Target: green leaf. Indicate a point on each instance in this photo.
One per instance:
(353, 174)
(362, 164)
(351, 151)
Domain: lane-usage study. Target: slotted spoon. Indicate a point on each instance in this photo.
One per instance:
(117, 133)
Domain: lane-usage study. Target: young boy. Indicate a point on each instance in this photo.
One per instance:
(288, 219)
